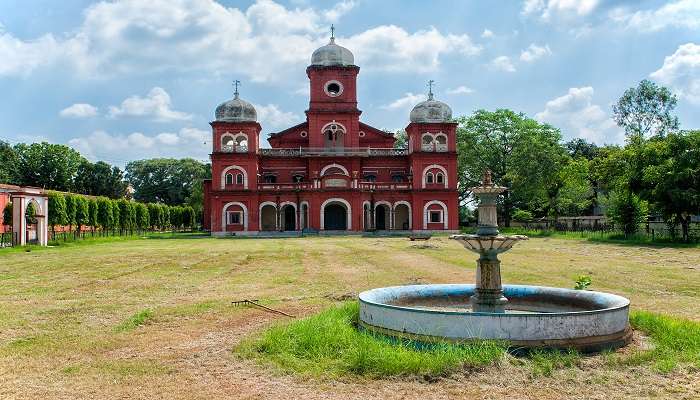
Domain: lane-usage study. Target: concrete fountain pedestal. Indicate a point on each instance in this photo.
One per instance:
(525, 316)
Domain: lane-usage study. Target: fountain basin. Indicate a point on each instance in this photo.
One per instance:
(535, 316)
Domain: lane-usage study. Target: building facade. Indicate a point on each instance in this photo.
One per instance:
(331, 172)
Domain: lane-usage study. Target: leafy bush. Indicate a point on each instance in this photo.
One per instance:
(628, 211)
(522, 216)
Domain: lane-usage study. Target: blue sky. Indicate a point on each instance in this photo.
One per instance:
(126, 80)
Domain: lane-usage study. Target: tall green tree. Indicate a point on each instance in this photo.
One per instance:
(646, 110)
(116, 215)
(57, 210)
(51, 166)
(154, 212)
(94, 209)
(401, 141)
(574, 194)
(104, 214)
(8, 163)
(580, 148)
(71, 210)
(165, 180)
(523, 155)
(82, 213)
(142, 217)
(124, 215)
(188, 217)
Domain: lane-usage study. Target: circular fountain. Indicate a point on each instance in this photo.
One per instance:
(525, 316)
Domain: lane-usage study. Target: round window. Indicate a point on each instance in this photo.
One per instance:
(303, 134)
(333, 88)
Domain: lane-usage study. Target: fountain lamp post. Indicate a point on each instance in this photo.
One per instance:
(488, 243)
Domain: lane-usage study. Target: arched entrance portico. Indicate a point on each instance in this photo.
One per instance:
(381, 217)
(402, 216)
(336, 215)
(268, 217)
(289, 218)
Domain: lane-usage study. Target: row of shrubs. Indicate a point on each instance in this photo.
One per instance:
(108, 215)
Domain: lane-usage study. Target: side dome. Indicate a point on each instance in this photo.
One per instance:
(236, 110)
(431, 111)
(332, 55)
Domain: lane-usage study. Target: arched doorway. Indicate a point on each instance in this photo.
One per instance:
(304, 216)
(402, 219)
(380, 216)
(289, 218)
(335, 217)
(268, 218)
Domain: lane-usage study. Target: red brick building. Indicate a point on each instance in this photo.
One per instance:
(331, 172)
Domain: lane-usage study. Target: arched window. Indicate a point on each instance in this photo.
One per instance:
(227, 143)
(429, 177)
(439, 178)
(441, 142)
(229, 179)
(270, 179)
(427, 142)
(239, 179)
(370, 178)
(397, 178)
(241, 143)
(333, 134)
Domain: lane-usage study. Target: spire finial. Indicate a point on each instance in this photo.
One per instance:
(430, 89)
(235, 84)
(332, 33)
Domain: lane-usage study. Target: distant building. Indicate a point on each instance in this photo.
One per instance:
(331, 172)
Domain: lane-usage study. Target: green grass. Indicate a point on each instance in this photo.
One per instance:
(676, 341)
(545, 362)
(135, 321)
(329, 344)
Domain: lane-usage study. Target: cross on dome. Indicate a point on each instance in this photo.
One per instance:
(332, 33)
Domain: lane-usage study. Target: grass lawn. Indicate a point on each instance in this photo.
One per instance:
(153, 318)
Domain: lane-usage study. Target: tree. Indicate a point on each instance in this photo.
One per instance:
(116, 214)
(104, 214)
(46, 165)
(627, 210)
(7, 215)
(93, 210)
(142, 217)
(165, 180)
(8, 163)
(82, 213)
(523, 155)
(670, 178)
(580, 148)
(57, 210)
(154, 215)
(99, 179)
(71, 210)
(646, 110)
(164, 216)
(401, 141)
(124, 215)
(176, 217)
(574, 192)
(188, 217)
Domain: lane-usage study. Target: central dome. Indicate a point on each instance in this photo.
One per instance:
(332, 55)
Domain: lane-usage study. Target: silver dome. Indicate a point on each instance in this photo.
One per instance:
(332, 55)
(431, 111)
(236, 110)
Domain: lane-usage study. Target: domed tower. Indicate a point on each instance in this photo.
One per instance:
(432, 143)
(333, 115)
(235, 128)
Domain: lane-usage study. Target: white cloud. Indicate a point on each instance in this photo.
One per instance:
(394, 49)
(408, 100)
(681, 71)
(486, 34)
(534, 52)
(577, 116)
(460, 90)
(679, 14)
(560, 8)
(157, 36)
(271, 117)
(79, 110)
(119, 149)
(503, 63)
(156, 105)
(339, 9)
